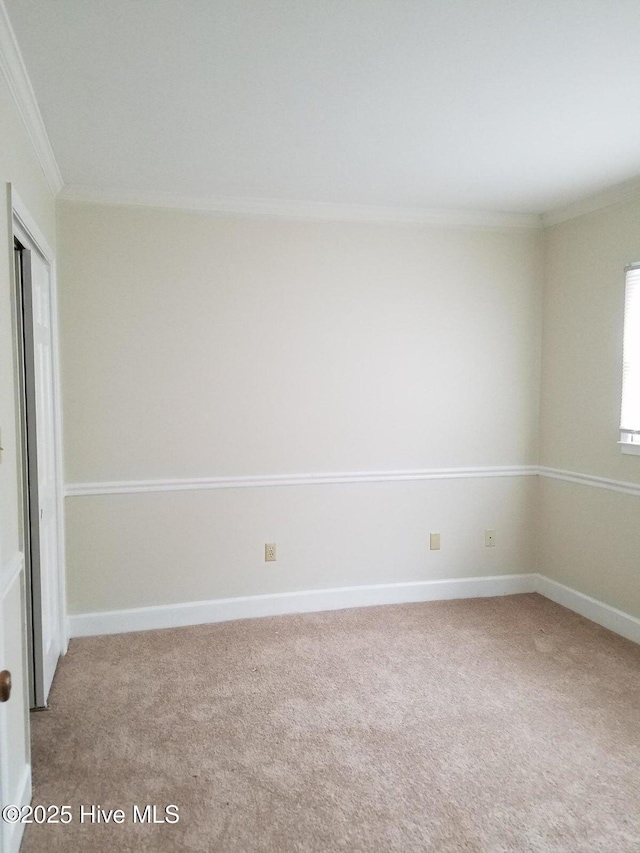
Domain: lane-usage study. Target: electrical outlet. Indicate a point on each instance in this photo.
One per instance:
(489, 539)
(434, 541)
(270, 552)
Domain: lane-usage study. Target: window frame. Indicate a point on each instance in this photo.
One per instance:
(629, 440)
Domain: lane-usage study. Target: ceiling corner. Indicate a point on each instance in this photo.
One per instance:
(15, 73)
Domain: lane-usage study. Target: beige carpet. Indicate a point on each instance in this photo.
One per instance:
(481, 726)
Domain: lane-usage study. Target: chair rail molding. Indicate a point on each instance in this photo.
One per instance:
(125, 487)
(621, 486)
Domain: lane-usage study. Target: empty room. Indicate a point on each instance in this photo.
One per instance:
(320, 426)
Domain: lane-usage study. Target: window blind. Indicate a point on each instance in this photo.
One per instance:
(630, 416)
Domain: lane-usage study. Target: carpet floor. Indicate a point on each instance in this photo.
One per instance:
(478, 726)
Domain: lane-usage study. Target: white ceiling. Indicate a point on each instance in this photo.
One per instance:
(495, 105)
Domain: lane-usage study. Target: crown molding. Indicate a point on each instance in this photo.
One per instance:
(299, 210)
(628, 191)
(15, 73)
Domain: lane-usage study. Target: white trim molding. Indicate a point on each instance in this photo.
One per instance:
(630, 448)
(306, 601)
(316, 600)
(127, 487)
(327, 211)
(627, 191)
(300, 210)
(15, 73)
(609, 617)
(12, 572)
(27, 223)
(14, 831)
(621, 486)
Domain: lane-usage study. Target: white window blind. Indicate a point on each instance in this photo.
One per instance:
(630, 416)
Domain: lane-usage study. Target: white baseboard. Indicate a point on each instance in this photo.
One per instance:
(13, 832)
(605, 615)
(310, 601)
(307, 601)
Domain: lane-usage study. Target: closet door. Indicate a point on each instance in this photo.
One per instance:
(41, 472)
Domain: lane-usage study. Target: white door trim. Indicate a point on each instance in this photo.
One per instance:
(24, 225)
(12, 574)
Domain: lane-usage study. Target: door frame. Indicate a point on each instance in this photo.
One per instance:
(11, 833)
(26, 231)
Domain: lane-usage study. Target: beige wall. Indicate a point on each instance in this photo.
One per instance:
(582, 341)
(588, 537)
(201, 346)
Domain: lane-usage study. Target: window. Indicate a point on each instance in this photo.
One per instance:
(630, 416)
